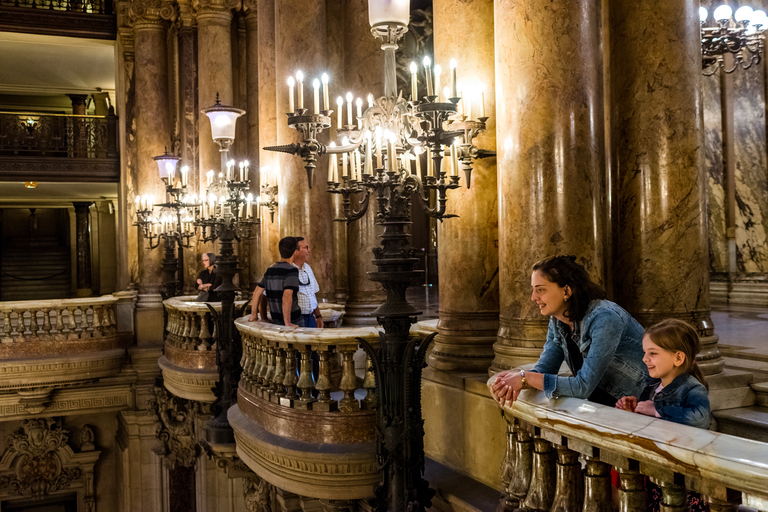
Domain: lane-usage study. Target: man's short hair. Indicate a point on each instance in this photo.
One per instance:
(288, 245)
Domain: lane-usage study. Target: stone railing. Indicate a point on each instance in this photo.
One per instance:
(546, 439)
(47, 344)
(307, 431)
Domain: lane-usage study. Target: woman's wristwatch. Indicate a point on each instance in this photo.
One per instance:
(523, 382)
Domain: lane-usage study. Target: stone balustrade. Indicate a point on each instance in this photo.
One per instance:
(308, 432)
(47, 344)
(546, 439)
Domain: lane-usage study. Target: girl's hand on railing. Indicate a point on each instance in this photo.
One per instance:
(646, 407)
(627, 403)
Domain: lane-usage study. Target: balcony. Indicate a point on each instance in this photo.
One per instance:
(58, 148)
(49, 345)
(93, 19)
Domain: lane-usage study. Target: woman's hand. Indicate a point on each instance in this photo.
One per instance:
(507, 386)
(646, 407)
(627, 403)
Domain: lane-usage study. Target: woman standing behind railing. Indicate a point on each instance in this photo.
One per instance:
(600, 342)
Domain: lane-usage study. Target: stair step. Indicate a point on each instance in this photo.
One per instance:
(761, 394)
(748, 422)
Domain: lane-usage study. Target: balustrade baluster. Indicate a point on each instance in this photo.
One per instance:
(674, 497)
(369, 383)
(59, 321)
(69, 323)
(521, 479)
(542, 489)
(259, 362)
(96, 319)
(205, 334)
(631, 490)
(89, 318)
(506, 502)
(17, 325)
(597, 486)
(290, 380)
(263, 383)
(277, 381)
(245, 377)
(270, 373)
(185, 330)
(194, 331)
(348, 382)
(569, 490)
(112, 317)
(37, 324)
(7, 327)
(47, 320)
(306, 381)
(324, 384)
(32, 325)
(729, 504)
(79, 320)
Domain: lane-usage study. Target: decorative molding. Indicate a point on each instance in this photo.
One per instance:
(188, 383)
(57, 23)
(71, 401)
(56, 169)
(58, 371)
(38, 461)
(227, 460)
(177, 430)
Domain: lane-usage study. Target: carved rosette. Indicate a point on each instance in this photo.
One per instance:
(177, 429)
(37, 462)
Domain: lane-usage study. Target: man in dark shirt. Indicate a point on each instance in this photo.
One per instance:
(281, 283)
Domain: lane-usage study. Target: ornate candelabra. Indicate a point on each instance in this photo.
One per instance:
(267, 193)
(440, 125)
(225, 216)
(740, 35)
(172, 225)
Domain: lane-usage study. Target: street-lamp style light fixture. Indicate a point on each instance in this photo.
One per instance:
(740, 34)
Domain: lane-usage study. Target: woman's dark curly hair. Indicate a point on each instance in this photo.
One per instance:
(564, 271)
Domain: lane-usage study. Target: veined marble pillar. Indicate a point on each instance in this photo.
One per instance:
(214, 74)
(468, 246)
(551, 154)
(662, 265)
(300, 36)
(363, 73)
(255, 269)
(152, 136)
(270, 230)
(83, 241)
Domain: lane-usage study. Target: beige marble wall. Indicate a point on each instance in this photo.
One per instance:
(549, 114)
(363, 72)
(469, 245)
(300, 36)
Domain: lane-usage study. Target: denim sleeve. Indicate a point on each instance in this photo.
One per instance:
(605, 330)
(549, 362)
(692, 411)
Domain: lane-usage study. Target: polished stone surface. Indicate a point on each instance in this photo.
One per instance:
(551, 155)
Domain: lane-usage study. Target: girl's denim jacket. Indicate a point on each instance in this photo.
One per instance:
(684, 400)
(611, 343)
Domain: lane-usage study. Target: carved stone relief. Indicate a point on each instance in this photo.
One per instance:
(37, 462)
(177, 429)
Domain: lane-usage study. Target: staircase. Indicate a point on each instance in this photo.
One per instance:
(35, 269)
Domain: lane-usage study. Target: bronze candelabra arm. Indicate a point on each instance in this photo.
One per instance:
(441, 186)
(347, 188)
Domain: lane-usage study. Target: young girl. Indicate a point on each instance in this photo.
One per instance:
(677, 390)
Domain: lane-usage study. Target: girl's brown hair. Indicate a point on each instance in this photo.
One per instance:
(675, 335)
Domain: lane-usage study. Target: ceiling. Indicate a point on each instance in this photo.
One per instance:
(37, 65)
(14, 195)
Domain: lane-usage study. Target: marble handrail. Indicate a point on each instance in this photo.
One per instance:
(59, 320)
(544, 434)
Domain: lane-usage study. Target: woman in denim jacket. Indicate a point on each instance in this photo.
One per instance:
(600, 342)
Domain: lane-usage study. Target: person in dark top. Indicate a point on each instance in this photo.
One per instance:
(208, 280)
(281, 283)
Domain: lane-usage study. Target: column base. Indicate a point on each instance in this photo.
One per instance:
(518, 342)
(465, 341)
(357, 314)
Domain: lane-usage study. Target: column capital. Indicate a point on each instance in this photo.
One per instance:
(186, 13)
(215, 8)
(250, 8)
(152, 12)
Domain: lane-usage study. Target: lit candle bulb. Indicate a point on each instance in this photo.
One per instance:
(300, 83)
(446, 93)
(417, 153)
(368, 154)
(349, 109)
(482, 101)
(291, 84)
(316, 95)
(370, 100)
(358, 171)
(449, 156)
(344, 159)
(455, 155)
(247, 165)
(184, 174)
(333, 166)
(428, 73)
(359, 104)
(138, 202)
(326, 102)
(209, 175)
(414, 88)
(249, 199)
(454, 85)
(339, 107)
(430, 163)
(438, 72)
(242, 171)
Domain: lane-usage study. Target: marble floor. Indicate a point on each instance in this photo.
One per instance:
(743, 330)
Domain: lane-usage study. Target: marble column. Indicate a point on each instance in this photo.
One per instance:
(255, 269)
(214, 74)
(662, 257)
(468, 246)
(268, 116)
(363, 73)
(152, 136)
(300, 36)
(127, 237)
(551, 155)
(83, 241)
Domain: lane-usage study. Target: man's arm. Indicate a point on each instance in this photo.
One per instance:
(287, 304)
(257, 304)
(318, 317)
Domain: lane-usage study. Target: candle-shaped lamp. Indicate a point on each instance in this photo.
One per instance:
(333, 165)
(428, 73)
(454, 85)
(438, 72)
(247, 166)
(414, 88)
(370, 100)
(326, 102)
(368, 154)
(482, 101)
(209, 175)
(344, 157)
(359, 105)
(349, 109)
(291, 84)
(300, 83)
(184, 175)
(316, 95)
(339, 107)
(379, 159)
